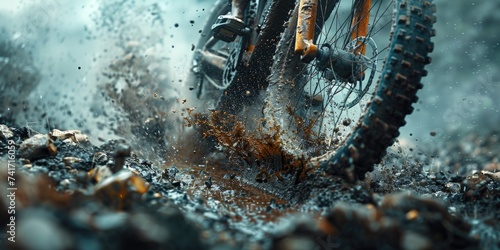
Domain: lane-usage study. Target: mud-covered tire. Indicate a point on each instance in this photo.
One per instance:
(396, 93)
(396, 90)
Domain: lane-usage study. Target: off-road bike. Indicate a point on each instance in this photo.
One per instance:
(303, 73)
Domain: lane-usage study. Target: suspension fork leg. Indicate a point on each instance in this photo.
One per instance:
(304, 38)
(360, 23)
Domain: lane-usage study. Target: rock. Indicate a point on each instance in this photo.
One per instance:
(121, 189)
(5, 132)
(34, 147)
(415, 241)
(301, 233)
(401, 221)
(172, 171)
(51, 147)
(453, 187)
(122, 151)
(65, 183)
(70, 160)
(100, 158)
(108, 221)
(38, 229)
(69, 136)
(208, 183)
(99, 173)
(493, 176)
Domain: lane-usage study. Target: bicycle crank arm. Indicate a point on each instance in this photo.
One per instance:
(211, 64)
(212, 60)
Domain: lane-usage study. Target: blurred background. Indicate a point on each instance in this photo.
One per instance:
(461, 93)
(114, 69)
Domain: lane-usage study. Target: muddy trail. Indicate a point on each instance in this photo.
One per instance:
(74, 195)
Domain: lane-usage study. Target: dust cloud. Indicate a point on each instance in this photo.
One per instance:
(98, 65)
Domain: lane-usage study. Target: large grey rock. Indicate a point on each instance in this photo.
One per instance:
(34, 147)
(39, 229)
(5, 132)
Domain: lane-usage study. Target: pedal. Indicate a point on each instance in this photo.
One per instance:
(227, 28)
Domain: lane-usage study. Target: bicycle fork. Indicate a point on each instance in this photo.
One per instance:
(348, 65)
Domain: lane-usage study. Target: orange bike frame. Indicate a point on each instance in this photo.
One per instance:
(360, 24)
(304, 39)
(304, 44)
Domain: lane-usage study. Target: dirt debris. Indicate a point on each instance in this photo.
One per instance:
(74, 195)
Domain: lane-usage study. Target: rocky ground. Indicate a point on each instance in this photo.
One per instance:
(73, 195)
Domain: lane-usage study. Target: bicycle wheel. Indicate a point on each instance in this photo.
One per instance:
(215, 63)
(340, 121)
(208, 61)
